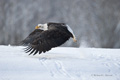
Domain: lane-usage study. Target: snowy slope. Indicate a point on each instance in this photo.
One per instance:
(60, 64)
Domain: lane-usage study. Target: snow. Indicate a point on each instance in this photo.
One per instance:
(62, 63)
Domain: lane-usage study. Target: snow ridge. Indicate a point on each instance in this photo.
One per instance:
(60, 64)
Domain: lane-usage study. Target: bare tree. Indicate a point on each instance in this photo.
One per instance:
(96, 23)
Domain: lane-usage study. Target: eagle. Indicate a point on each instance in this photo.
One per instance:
(47, 36)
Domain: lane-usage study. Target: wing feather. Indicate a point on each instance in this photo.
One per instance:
(31, 37)
(45, 40)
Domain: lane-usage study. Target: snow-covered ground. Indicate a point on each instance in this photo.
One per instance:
(60, 63)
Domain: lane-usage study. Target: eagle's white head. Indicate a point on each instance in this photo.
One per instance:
(42, 26)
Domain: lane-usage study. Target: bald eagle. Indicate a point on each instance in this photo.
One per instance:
(47, 36)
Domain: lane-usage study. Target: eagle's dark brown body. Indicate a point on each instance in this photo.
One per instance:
(43, 40)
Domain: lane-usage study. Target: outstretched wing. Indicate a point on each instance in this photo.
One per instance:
(46, 40)
(31, 37)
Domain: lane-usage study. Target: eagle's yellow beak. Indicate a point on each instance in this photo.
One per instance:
(37, 27)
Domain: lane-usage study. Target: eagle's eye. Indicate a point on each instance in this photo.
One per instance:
(41, 27)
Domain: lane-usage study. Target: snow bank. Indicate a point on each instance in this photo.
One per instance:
(60, 63)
